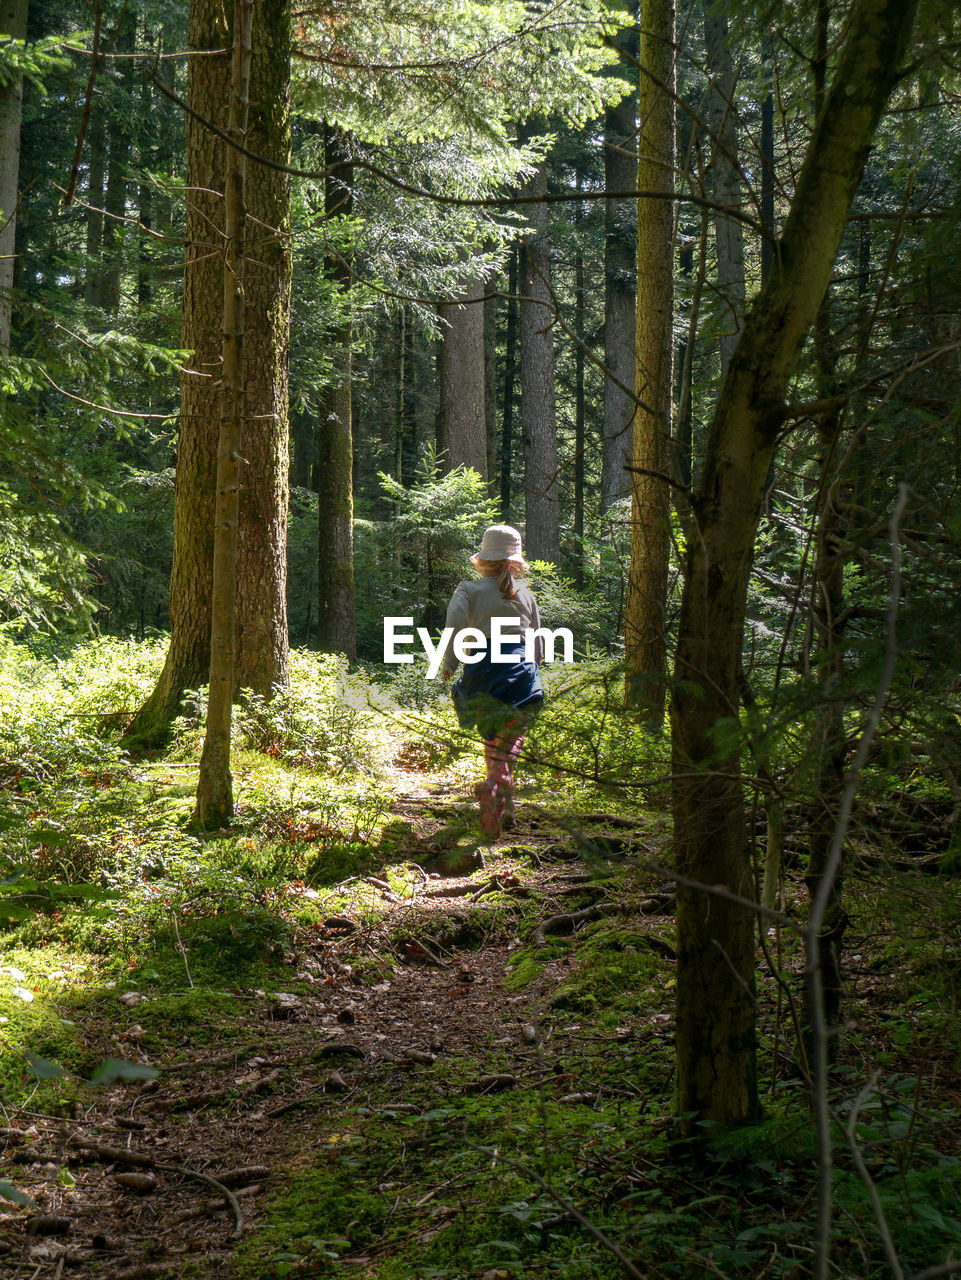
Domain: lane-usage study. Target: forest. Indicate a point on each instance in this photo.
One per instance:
(314, 320)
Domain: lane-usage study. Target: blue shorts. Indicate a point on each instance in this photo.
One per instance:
(489, 694)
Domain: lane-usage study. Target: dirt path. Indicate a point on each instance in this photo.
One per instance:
(298, 1062)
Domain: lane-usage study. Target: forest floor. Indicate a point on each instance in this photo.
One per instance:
(344, 1038)
(408, 1008)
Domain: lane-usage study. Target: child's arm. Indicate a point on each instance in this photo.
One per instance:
(456, 618)
(539, 640)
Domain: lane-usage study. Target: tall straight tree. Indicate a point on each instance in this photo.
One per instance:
(510, 379)
(538, 404)
(829, 624)
(336, 608)
(215, 801)
(725, 177)
(715, 933)
(96, 173)
(461, 415)
(645, 649)
(105, 292)
(620, 266)
(490, 389)
(13, 23)
(261, 658)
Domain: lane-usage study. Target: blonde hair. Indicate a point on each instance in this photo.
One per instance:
(505, 571)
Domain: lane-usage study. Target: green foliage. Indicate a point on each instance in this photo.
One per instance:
(33, 62)
(325, 721)
(410, 564)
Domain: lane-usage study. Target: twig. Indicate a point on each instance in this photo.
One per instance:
(561, 923)
(882, 1225)
(585, 1222)
(104, 408)
(122, 1155)
(935, 1272)
(208, 1206)
(182, 949)
(492, 883)
(87, 105)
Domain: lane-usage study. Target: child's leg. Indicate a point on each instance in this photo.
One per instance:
(501, 754)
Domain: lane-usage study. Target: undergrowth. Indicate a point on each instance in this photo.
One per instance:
(125, 934)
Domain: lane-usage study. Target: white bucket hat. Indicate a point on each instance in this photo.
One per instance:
(500, 542)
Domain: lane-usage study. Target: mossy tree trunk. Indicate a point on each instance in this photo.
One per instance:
(261, 658)
(715, 935)
(215, 803)
(645, 642)
(336, 606)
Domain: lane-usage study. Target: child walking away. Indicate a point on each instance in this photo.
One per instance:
(497, 698)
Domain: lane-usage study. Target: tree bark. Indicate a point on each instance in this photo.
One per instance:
(490, 390)
(407, 441)
(715, 975)
(725, 178)
(579, 410)
(13, 22)
(620, 284)
(336, 607)
(827, 616)
(510, 379)
(461, 421)
(538, 407)
(215, 802)
(645, 641)
(107, 291)
(96, 147)
(261, 660)
(767, 175)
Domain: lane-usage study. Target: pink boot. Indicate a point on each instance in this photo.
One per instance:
(490, 800)
(496, 793)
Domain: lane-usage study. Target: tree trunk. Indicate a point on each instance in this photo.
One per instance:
(96, 148)
(538, 409)
(145, 192)
(215, 802)
(579, 410)
(262, 641)
(392, 430)
(107, 293)
(461, 421)
(767, 174)
(510, 390)
(490, 390)
(13, 22)
(828, 604)
(620, 283)
(715, 973)
(407, 443)
(645, 641)
(261, 661)
(336, 608)
(725, 178)
(684, 426)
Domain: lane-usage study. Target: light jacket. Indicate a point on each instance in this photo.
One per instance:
(476, 602)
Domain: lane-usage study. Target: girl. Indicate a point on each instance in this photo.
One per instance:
(497, 698)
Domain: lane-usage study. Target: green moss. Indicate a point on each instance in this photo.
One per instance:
(527, 964)
(445, 1194)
